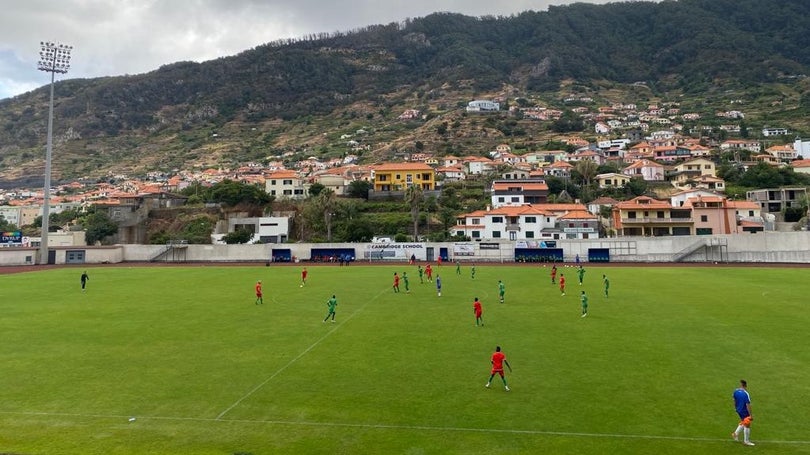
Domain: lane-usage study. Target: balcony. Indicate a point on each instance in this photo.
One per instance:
(512, 227)
(656, 220)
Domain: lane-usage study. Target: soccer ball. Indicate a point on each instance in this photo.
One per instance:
(301, 286)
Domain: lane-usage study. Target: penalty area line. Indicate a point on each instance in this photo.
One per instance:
(298, 357)
(404, 427)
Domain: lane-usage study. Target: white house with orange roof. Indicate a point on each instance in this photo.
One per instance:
(477, 165)
(710, 183)
(518, 192)
(528, 222)
(286, 185)
(741, 144)
(452, 173)
(783, 152)
(560, 169)
(451, 160)
(647, 169)
(801, 166)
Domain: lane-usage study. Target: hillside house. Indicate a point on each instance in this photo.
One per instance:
(400, 176)
(286, 185)
(518, 192)
(645, 169)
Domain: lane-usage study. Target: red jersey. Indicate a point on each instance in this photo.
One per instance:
(396, 280)
(553, 272)
(497, 361)
(304, 275)
(477, 307)
(428, 270)
(440, 260)
(258, 289)
(562, 282)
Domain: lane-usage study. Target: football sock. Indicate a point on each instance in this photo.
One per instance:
(746, 434)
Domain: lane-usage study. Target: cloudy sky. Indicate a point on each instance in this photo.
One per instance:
(115, 37)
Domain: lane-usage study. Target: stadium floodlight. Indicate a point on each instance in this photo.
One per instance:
(53, 58)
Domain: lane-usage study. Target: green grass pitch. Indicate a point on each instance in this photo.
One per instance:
(203, 370)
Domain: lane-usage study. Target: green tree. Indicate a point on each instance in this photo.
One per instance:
(238, 236)
(414, 197)
(359, 189)
(325, 204)
(98, 225)
(315, 189)
(233, 193)
(7, 226)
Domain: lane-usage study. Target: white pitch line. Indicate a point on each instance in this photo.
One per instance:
(296, 358)
(406, 427)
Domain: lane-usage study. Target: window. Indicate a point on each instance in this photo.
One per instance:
(660, 214)
(501, 199)
(425, 176)
(382, 178)
(287, 182)
(496, 234)
(750, 213)
(497, 219)
(272, 192)
(476, 234)
(707, 166)
(287, 192)
(584, 224)
(272, 182)
(704, 218)
(408, 178)
(515, 199)
(399, 176)
(631, 215)
(529, 234)
(570, 225)
(531, 219)
(476, 221)
(298, 191)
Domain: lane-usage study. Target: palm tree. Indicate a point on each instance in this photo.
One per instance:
(414, 197)
(587, 169)
(325, 202)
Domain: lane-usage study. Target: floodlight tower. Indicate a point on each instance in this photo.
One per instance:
(53, 58)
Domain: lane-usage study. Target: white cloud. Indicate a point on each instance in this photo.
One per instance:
(114, 37)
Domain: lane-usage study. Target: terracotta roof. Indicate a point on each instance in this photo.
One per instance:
(560, 164)
(403, 167)
(800, 163)
(636, 203)
(282, 174)
(743, 205)
(746, 223)
(578, 215)
(533, 186)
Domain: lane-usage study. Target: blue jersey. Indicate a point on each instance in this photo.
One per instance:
(741, 401)
(438, 283)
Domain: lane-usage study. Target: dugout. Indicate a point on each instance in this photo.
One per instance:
(332, 254)
(443, 253)
(282, 255)
(538, 254)
(598, 255)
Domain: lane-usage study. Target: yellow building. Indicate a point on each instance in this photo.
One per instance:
(399, 176)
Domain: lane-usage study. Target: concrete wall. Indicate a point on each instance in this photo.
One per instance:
(764, 247)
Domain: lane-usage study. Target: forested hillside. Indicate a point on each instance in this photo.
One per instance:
(153, 120)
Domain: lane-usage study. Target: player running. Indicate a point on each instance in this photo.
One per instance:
(472, 272)
(498, 361)
(554, 274)
(501, 289)
(478, 312)
(85, 278)
(407, 285)
(439, 285)
(303, 277)
(421, 273)
(332, 305)
(458, 267)
(429, 273)
(562, 285)
(607, 284)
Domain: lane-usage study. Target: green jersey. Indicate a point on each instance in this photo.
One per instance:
(332, 304)
(584, 299)
(607, 283)
(501, 288)
(421, 272)
(581, 273)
